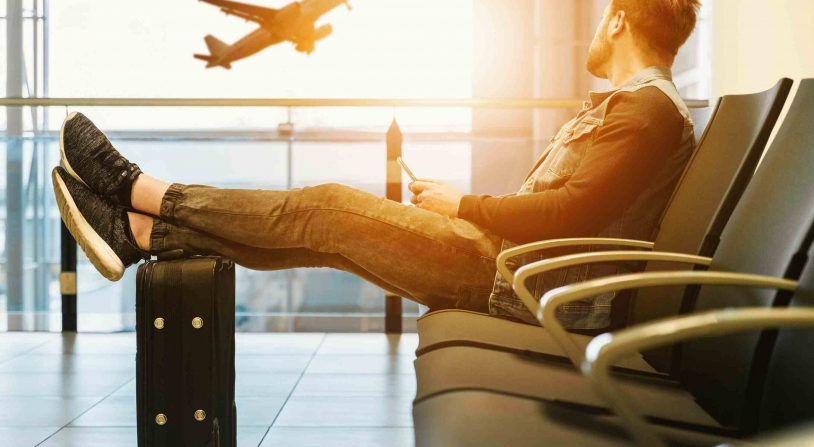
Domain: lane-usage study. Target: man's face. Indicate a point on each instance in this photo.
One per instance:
(601, 51)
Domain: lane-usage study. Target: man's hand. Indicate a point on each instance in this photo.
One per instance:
(438, 197)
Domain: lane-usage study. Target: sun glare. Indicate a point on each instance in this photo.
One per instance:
(380, 49)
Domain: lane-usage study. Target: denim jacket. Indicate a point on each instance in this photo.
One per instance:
(638, 221)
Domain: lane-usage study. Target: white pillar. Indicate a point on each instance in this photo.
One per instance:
(14, 158)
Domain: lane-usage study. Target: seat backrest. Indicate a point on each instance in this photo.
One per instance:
(769, 233)
(701, 117)
(788, 393)
(719, 170)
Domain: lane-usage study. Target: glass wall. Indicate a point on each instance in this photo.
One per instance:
(38, 302)
(97, 48)
(421, 49)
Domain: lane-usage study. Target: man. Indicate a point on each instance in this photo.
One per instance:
(609, 173)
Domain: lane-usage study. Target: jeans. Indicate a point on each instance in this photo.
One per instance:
(441, 262)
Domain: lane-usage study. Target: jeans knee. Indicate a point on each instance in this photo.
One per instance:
(331, 190)
(333, 195)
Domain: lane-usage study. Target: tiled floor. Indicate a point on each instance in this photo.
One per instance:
(292, 390)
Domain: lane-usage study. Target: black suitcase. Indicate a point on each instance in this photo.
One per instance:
(185, 360)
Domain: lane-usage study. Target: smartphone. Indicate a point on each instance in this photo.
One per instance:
(406, 169)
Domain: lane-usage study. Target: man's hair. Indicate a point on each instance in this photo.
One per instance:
(663, 25)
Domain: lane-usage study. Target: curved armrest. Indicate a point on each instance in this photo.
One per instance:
(505, 255)
(566, 294)
(547, 265)
(606, 349)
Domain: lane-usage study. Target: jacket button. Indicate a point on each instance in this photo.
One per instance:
(197, 323)
(159, 323)
(161, 419)
(200, 415)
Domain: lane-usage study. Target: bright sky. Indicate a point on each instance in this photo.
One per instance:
(381, 49)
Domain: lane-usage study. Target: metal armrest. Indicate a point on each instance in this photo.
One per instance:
(545, 310)
(606, 349)
(566, 294)
(505, 255)
(799, 436)
(547, 265)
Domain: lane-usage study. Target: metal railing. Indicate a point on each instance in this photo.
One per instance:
(516, 103)
(393, 314)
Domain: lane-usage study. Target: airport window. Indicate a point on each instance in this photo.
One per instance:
(97, 48)
(417, 49)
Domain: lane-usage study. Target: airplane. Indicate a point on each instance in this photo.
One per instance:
(294, 23)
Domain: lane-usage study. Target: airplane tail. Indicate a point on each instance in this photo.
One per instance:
(216, 47)
(216, 50)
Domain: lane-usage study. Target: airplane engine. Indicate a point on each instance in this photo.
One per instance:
(322, 32)
(306, 47)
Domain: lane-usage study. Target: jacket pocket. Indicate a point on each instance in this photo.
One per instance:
(574, 143)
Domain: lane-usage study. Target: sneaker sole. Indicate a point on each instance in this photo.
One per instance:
(64, 160)
(101, 255)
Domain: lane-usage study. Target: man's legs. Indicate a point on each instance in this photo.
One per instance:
(435, 260)
(171, 237)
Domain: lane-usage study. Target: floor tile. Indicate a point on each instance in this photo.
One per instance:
(277, 344)
(24, 436)
(42, 411)
(369, 344)
(120, 411)
(96, 384)
(129, 389)
(339, 437)
(93, 437)
(70, 343)
(346, 412)
(339, 385)
(361, 364)
(258, 384)
(7, 356)
(24, 341)
(250, 436)
(70, 363)
(111, 412)
(274, 364)
(125, 437)
(258, 412)
(357, 389)
(246, 383)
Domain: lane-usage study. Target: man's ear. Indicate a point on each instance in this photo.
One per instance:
(617, 24)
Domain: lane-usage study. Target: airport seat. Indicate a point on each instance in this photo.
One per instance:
(728, 152)
(493, 419)
(800, 436)
(768, 236)
(779, 390)
(481, 418)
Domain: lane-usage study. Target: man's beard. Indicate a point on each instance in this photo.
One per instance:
(598, 55)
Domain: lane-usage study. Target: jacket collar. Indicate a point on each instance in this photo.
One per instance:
(643, 77)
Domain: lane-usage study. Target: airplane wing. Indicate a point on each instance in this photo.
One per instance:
(254, 13)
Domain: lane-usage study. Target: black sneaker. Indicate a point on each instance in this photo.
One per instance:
(102, 229)
(89, 157)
